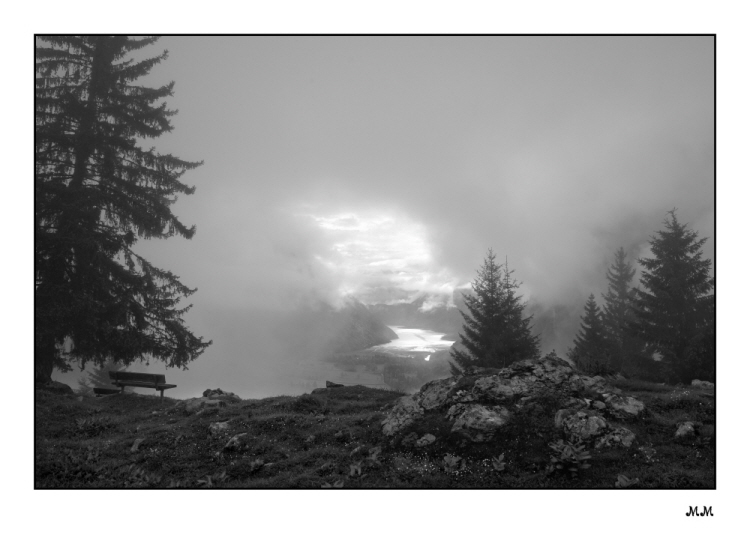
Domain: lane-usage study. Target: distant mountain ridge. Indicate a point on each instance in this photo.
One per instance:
(355, 327)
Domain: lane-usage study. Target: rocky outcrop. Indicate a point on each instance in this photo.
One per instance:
(221, 395)
(212, 398)
(480, 403)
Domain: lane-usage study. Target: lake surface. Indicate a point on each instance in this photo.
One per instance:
(415, 340)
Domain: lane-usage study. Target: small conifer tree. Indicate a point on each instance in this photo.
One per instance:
(675, 307)
(627, 350)
(591, 351)
(495, 332)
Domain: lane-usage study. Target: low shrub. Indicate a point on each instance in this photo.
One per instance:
(568, 457)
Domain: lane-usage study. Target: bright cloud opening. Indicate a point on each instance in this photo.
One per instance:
(380, 258)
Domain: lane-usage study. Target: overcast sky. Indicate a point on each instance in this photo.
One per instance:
(387, 166)
(370, 165)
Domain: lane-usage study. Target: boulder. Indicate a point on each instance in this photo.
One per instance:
(218, 427)
(685, 430)
(221, 395)
(405, 411)
(595, 384)
(703, 384)
(623, 407)
(477, 422)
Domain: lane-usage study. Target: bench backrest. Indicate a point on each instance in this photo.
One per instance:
(126, 376)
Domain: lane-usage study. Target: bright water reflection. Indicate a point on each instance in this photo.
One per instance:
(416, 340)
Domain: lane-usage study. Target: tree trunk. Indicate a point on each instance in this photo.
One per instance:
(44, 361)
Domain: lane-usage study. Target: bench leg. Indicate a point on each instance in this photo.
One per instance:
(161, 397)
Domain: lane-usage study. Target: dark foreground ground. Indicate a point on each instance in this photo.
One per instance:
(333, 439)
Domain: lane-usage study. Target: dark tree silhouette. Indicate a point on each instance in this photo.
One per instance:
(591, 350)
(495, 331)
(675, 307)
(627, 350)
(96, 192)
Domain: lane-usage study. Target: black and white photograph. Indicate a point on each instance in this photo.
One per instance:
(469, 263)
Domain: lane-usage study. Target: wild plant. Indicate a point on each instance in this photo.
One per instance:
(498, 463)
(568, 457)
(451, 463)
(624, 482)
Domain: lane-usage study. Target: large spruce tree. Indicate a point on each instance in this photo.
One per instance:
(627, 350)
(96, 192)
(495, 332)
(591, 350)
(675, 307)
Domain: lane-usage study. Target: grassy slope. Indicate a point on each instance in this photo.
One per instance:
(332, 439)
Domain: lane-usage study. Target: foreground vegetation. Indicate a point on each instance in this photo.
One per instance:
(332, 438)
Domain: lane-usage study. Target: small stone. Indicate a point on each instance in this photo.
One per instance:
(326, 467)
(426, 440)
(137, 443)
(686, 429)
(235, 442)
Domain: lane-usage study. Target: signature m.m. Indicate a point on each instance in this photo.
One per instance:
(693, 511)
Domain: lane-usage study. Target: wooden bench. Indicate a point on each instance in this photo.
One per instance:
(140, 380)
